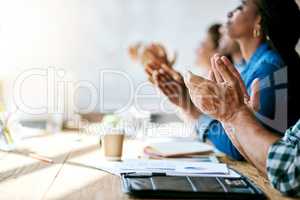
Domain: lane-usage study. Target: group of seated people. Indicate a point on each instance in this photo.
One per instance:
(237, 85)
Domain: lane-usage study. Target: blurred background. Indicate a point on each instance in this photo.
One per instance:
(71, 41)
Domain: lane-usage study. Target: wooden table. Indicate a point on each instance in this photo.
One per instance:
(68, 177)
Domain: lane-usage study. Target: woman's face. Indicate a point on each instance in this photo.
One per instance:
(206, 49)
(242, 20)
(227, 45)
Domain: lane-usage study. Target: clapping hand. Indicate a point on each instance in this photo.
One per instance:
(153, 53)
(225, 94)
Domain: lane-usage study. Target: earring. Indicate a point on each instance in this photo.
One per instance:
(256, 33)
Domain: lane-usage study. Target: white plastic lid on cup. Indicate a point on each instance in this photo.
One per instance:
(106, 130)
(112, 124)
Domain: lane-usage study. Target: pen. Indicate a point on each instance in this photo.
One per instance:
(159, 168)
(40, 158)
(195, 168)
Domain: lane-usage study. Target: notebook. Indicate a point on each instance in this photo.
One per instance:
(177, 149)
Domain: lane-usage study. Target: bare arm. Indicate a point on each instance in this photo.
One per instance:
(254, 139)
(225, 98)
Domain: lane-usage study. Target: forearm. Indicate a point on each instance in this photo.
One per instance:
(236, 143)
(190, 113)
(254, 139)
(217, 135)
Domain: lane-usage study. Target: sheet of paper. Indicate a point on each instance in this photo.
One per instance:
(210, 159)
(148, 165)
(231, 174)
(180, 147)
(137, 165)
(161, 166)
(202, 168)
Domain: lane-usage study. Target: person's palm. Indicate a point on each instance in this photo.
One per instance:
(225, 94)
(172, 85)
(156, 53)
(219, 100)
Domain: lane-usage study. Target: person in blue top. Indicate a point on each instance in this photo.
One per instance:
(276, 157)
(261, 62)
(244, 26)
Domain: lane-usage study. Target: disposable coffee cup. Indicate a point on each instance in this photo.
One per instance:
(112, 144)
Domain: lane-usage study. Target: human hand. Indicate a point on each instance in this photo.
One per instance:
(224, 95)
(156, 53)
(152, 53)
(172, 85)
(252, 101)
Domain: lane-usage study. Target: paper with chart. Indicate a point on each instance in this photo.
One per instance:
(176, 168)
(202, 168)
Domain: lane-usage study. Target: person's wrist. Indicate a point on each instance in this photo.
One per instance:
(191, 110)
(240, 115)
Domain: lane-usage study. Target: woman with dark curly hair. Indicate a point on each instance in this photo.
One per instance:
(245, 25)
(262, 62)
(276, 157)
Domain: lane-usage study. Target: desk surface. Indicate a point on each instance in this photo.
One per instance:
(22, 177)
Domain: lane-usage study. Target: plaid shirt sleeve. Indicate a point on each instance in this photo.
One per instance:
(283, 164)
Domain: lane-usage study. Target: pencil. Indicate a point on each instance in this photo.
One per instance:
(40, 158)
(8, 136)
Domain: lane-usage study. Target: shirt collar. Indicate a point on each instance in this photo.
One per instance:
(258, 53)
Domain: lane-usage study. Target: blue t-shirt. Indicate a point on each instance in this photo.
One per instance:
(262, 64)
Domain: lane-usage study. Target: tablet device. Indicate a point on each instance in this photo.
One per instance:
(189, 187)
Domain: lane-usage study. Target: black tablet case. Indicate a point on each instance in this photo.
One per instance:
(189, 187)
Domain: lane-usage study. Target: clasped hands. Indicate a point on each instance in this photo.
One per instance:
(224, 94)
(221, 96)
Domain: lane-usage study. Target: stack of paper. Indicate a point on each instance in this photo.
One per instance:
(174, 168)
(177, 149)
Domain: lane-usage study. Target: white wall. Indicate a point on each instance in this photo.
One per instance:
(84, 36)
